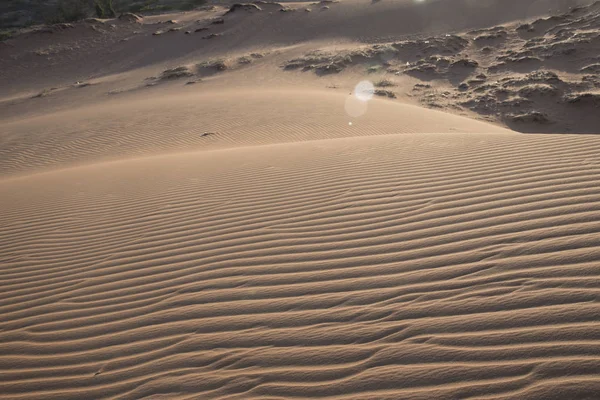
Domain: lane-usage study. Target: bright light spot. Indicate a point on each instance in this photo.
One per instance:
(350, 123)
(364, 91)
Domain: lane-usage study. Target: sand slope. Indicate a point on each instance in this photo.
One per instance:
(202, 121)
(410, 266)
(263, 234)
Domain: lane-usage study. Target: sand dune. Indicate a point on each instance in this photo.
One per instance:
(201, 121)
(399, 266)
(269, 233)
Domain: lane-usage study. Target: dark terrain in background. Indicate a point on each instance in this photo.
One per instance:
(22, 13)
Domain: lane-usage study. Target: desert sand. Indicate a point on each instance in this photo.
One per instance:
(365, 200)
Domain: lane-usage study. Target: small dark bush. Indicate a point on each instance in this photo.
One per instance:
(186, 7)
(191, 4)
(70, 11)
(136, 8)
(5, 35)
(104, 9)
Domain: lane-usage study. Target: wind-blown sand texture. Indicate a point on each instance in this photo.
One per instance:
(262, 233)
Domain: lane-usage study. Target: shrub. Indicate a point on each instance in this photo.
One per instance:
(71, 10)
(191, 4)
(5, 35)
(104, 9)
(384, 83)
(186, 7)
(136, 8)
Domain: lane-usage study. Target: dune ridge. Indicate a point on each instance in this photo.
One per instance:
(206, 121)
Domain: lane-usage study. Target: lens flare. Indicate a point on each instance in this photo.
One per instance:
(364, 90)
(358, 101)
